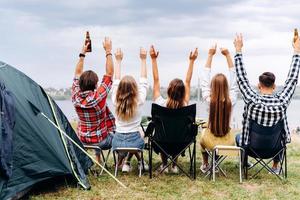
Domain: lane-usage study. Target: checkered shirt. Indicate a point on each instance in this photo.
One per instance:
(266, 110)
(95, 118)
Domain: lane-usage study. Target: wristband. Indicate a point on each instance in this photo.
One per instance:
(109, 54)
(81, 55)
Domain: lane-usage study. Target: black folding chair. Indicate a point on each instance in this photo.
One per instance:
(266, 143)
(171, 132)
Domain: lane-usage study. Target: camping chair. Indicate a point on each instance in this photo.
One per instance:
(128, 150)
(96, 147)
(219, 154)
(266, 143)
(171, 132)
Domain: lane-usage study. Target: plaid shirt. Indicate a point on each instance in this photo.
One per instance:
(95, 118)
(266, 110)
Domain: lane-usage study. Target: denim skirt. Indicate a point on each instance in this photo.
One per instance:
(132, 140)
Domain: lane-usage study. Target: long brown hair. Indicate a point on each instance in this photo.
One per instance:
(176, 94)
(127, 98)
(220, 106)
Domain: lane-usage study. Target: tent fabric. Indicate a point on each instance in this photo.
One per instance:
(7, 123)
(40, 152)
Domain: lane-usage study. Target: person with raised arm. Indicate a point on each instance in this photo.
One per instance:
(128, 97)
(178, 93)
(221, 97)
(96, 122)
(265, 107)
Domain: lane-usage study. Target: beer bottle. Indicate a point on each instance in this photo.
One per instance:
(295, 34)
(88, 40)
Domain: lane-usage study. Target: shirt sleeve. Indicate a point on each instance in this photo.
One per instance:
(233, 86)
(104, 88)
(75, 88)
(248, 93)
(205, 84)
(114, 91)
(143, 87)
(291, 82)
(160, 101)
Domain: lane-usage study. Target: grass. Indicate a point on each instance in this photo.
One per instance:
(172, 186)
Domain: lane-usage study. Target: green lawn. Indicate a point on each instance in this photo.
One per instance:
(172, 186)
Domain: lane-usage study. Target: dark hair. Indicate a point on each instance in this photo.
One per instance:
(88, 81)
(267, 79)
(176, 94)
(220, 106)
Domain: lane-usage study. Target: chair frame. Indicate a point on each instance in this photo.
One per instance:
(265, 164)
(104, 159)
(216, 161)
(170, 159)
(128, 150)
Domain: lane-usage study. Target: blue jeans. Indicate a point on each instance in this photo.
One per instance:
(105, 144)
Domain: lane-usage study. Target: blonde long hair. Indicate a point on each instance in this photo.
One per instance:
(220, 106)
(127, 98)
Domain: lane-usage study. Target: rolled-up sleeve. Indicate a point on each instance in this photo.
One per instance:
(75, 88)
(143, 87)
(205, 84)
(114, 90)
(104, 87)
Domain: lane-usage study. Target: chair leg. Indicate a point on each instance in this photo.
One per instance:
(194, 160)
(213, 166)
(240, 165)
(150, 161)
(105, 161)
(116, 163)
(285, 163)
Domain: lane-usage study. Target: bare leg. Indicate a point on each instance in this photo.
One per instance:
(164, 159)
(205, 158)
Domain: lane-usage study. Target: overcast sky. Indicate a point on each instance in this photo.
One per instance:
(43, 38)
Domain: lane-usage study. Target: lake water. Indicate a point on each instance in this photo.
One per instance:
(293, 111)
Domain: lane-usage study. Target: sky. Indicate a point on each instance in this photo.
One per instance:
(43, 38)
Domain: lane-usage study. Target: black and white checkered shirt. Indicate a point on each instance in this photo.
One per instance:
(265, 110)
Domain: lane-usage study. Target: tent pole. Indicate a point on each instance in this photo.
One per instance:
(96, 162)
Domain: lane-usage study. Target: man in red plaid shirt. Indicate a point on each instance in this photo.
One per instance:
(96, 122)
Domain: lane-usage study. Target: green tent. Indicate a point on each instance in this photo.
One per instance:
(40, 151)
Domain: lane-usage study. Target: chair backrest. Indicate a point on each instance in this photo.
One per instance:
(266, 139)
(174, 125)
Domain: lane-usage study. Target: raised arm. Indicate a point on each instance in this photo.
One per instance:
(193, 56)
(292, 80)
(107, 45)
(143, 56)
(119, 57)
(79, 66)
(205, 79)
(143, 84)
(156, 84)
(247, 91)
(232, 75)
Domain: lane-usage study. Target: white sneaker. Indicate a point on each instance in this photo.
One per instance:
(205, 168)
(146, 166)
(174, 170)
(165, 170)
(126, 167)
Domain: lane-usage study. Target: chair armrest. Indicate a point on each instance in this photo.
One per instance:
(150, 129)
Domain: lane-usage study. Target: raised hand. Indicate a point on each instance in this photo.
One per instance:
(224, 51)
(296, 44)
(153, 52)
(212, 51)
(107, 45)
(194, 55)
(238, 42)
(119, 54)
(143, 53)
